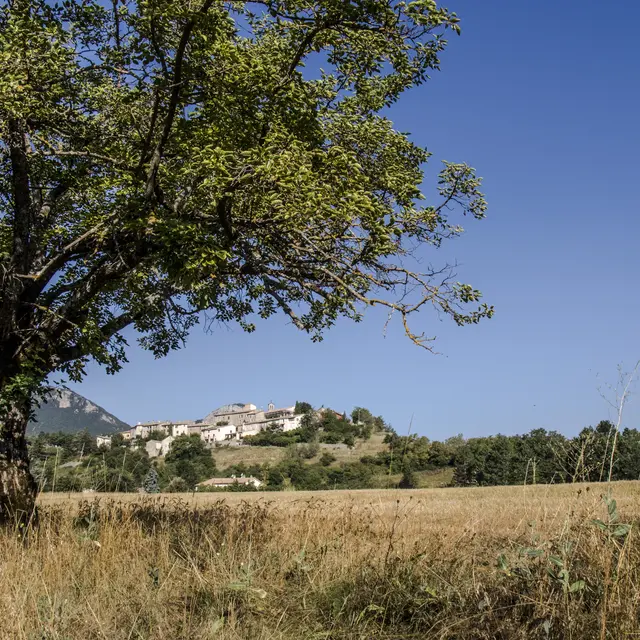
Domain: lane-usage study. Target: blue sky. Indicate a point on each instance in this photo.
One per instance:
(543, 99)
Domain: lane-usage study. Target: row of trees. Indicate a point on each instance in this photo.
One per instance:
(539, 456)
(547, 456)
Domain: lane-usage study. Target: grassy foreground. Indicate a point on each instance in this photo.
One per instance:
(489, 563)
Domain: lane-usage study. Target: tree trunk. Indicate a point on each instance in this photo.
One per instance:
(17, 486)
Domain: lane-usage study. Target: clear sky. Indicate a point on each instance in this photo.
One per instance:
(543, 98)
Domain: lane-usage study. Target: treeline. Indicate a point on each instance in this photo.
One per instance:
(71, 462)
(547, 456)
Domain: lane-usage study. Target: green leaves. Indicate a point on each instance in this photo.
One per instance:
(181, 160)
(612, 528)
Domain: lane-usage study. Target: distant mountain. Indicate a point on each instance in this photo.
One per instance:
(65, 410)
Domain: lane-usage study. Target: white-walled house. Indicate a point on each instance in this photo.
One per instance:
(181, 428)
(165, 445)
(213, 434)
(153, 448)
(103, 441)
(251, 429)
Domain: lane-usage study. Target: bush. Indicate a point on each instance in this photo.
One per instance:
(327, 458)
(409, 479)
(308, 451)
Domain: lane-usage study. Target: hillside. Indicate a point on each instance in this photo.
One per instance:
(226, 456)
(65, 410)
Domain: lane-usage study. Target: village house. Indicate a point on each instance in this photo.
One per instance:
(155, 448)
(233, 414)
(182, 428)
(143, 430)
(196, 428)
(103, 441)
(221, 483)
(284, 418)
(212, 434)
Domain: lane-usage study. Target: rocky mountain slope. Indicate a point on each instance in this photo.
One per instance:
(65, 410)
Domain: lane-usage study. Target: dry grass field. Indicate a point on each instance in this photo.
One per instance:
(513, 562)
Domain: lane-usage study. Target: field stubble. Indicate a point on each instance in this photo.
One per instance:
(512, 562)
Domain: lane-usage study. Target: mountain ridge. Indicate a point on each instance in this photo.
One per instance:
(68, 411)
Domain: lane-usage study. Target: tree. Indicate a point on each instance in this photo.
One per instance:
(189, 459)
(303, 408)
(157, 163)
(117, 440)
(409, 479)
(150, 484)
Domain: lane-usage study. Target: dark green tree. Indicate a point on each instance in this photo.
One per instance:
(156, 162)
(409, 479)
(117, 440)
(150, 484)
(189, 459)
(303, 408)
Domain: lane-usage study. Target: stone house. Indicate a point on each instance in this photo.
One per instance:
(143, 430)
(233, 414)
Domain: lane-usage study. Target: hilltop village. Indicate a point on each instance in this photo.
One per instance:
(228, 424)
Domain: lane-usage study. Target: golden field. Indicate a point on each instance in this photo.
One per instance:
(508, 562)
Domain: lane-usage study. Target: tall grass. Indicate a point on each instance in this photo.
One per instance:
(513, 562)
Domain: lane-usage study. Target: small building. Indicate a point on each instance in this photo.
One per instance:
(155, 448)
(250, 429)
(103, 441)
(212, 434)
(165, 445)
(144, 430)
(284, 419)
(221, 483)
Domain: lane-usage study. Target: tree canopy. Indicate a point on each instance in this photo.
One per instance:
(164, 158)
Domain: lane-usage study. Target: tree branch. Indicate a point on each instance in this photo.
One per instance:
(173, 101)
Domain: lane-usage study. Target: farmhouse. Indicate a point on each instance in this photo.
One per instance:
(229, 482)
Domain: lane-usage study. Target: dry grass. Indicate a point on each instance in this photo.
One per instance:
(359, 564)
